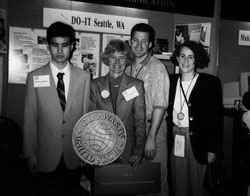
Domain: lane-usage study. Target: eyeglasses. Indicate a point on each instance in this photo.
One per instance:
(189, 58)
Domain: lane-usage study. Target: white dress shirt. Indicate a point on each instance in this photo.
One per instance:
(66, 76)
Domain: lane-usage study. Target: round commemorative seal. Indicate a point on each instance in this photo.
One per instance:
(99, 137)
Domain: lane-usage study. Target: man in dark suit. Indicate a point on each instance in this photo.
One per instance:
(50, 115)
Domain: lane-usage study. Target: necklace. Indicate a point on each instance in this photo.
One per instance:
(181, 115)
(115, 82)
(137, 71)
(116, 86)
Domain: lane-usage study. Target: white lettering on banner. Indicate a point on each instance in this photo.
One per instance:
(166, 3)
(86, 21)
(244, 38)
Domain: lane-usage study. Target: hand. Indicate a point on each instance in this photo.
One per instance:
(134, 160)
(211, 157)
(32, 165)
(150, 147)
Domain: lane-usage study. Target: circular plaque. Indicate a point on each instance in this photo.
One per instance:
(99, 137)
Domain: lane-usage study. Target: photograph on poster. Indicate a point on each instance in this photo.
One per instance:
(3, 48)
(199, 32)
(161, 46)
(86, 54)
(28, 51)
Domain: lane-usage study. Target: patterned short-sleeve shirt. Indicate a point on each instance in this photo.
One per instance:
(156, 82)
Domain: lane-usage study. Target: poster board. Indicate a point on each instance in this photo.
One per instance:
(28, 51)
(199, 32)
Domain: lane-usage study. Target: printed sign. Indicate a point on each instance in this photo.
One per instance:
(87, 21)
(244, 38)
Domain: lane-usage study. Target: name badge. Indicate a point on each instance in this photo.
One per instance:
(130, 93)
(179, 145)
(41, 81)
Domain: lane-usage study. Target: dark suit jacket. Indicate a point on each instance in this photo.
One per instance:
(131, 113)
(205, 115)
(47, 130)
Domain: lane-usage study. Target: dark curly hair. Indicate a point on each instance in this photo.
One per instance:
(201, 57)
(246, 100)
(117, 45)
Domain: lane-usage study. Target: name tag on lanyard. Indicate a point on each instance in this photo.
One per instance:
(179, 145)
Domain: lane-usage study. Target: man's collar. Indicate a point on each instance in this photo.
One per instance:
(146, 60)
(65, 69)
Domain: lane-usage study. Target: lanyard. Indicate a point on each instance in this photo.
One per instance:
(136, 72)
(185, 94)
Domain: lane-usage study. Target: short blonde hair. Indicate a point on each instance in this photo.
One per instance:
(117, 45)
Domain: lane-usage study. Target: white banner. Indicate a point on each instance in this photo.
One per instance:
(86, 21)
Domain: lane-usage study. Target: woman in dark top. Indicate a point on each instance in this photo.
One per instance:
(196, 117)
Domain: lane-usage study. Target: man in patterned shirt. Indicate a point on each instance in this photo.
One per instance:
(156, 82)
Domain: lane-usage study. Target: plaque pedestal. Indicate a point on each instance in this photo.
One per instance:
(122, 179)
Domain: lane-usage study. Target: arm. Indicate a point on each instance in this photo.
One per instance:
(30, 127)
(86, 102)
(93, 99)
(140, 126)
(150, 147)
(216, 140)
(159, 97)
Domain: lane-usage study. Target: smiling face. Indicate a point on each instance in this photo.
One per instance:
(117, 64)
(140, 44)
(60, 49)
(186, 60)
